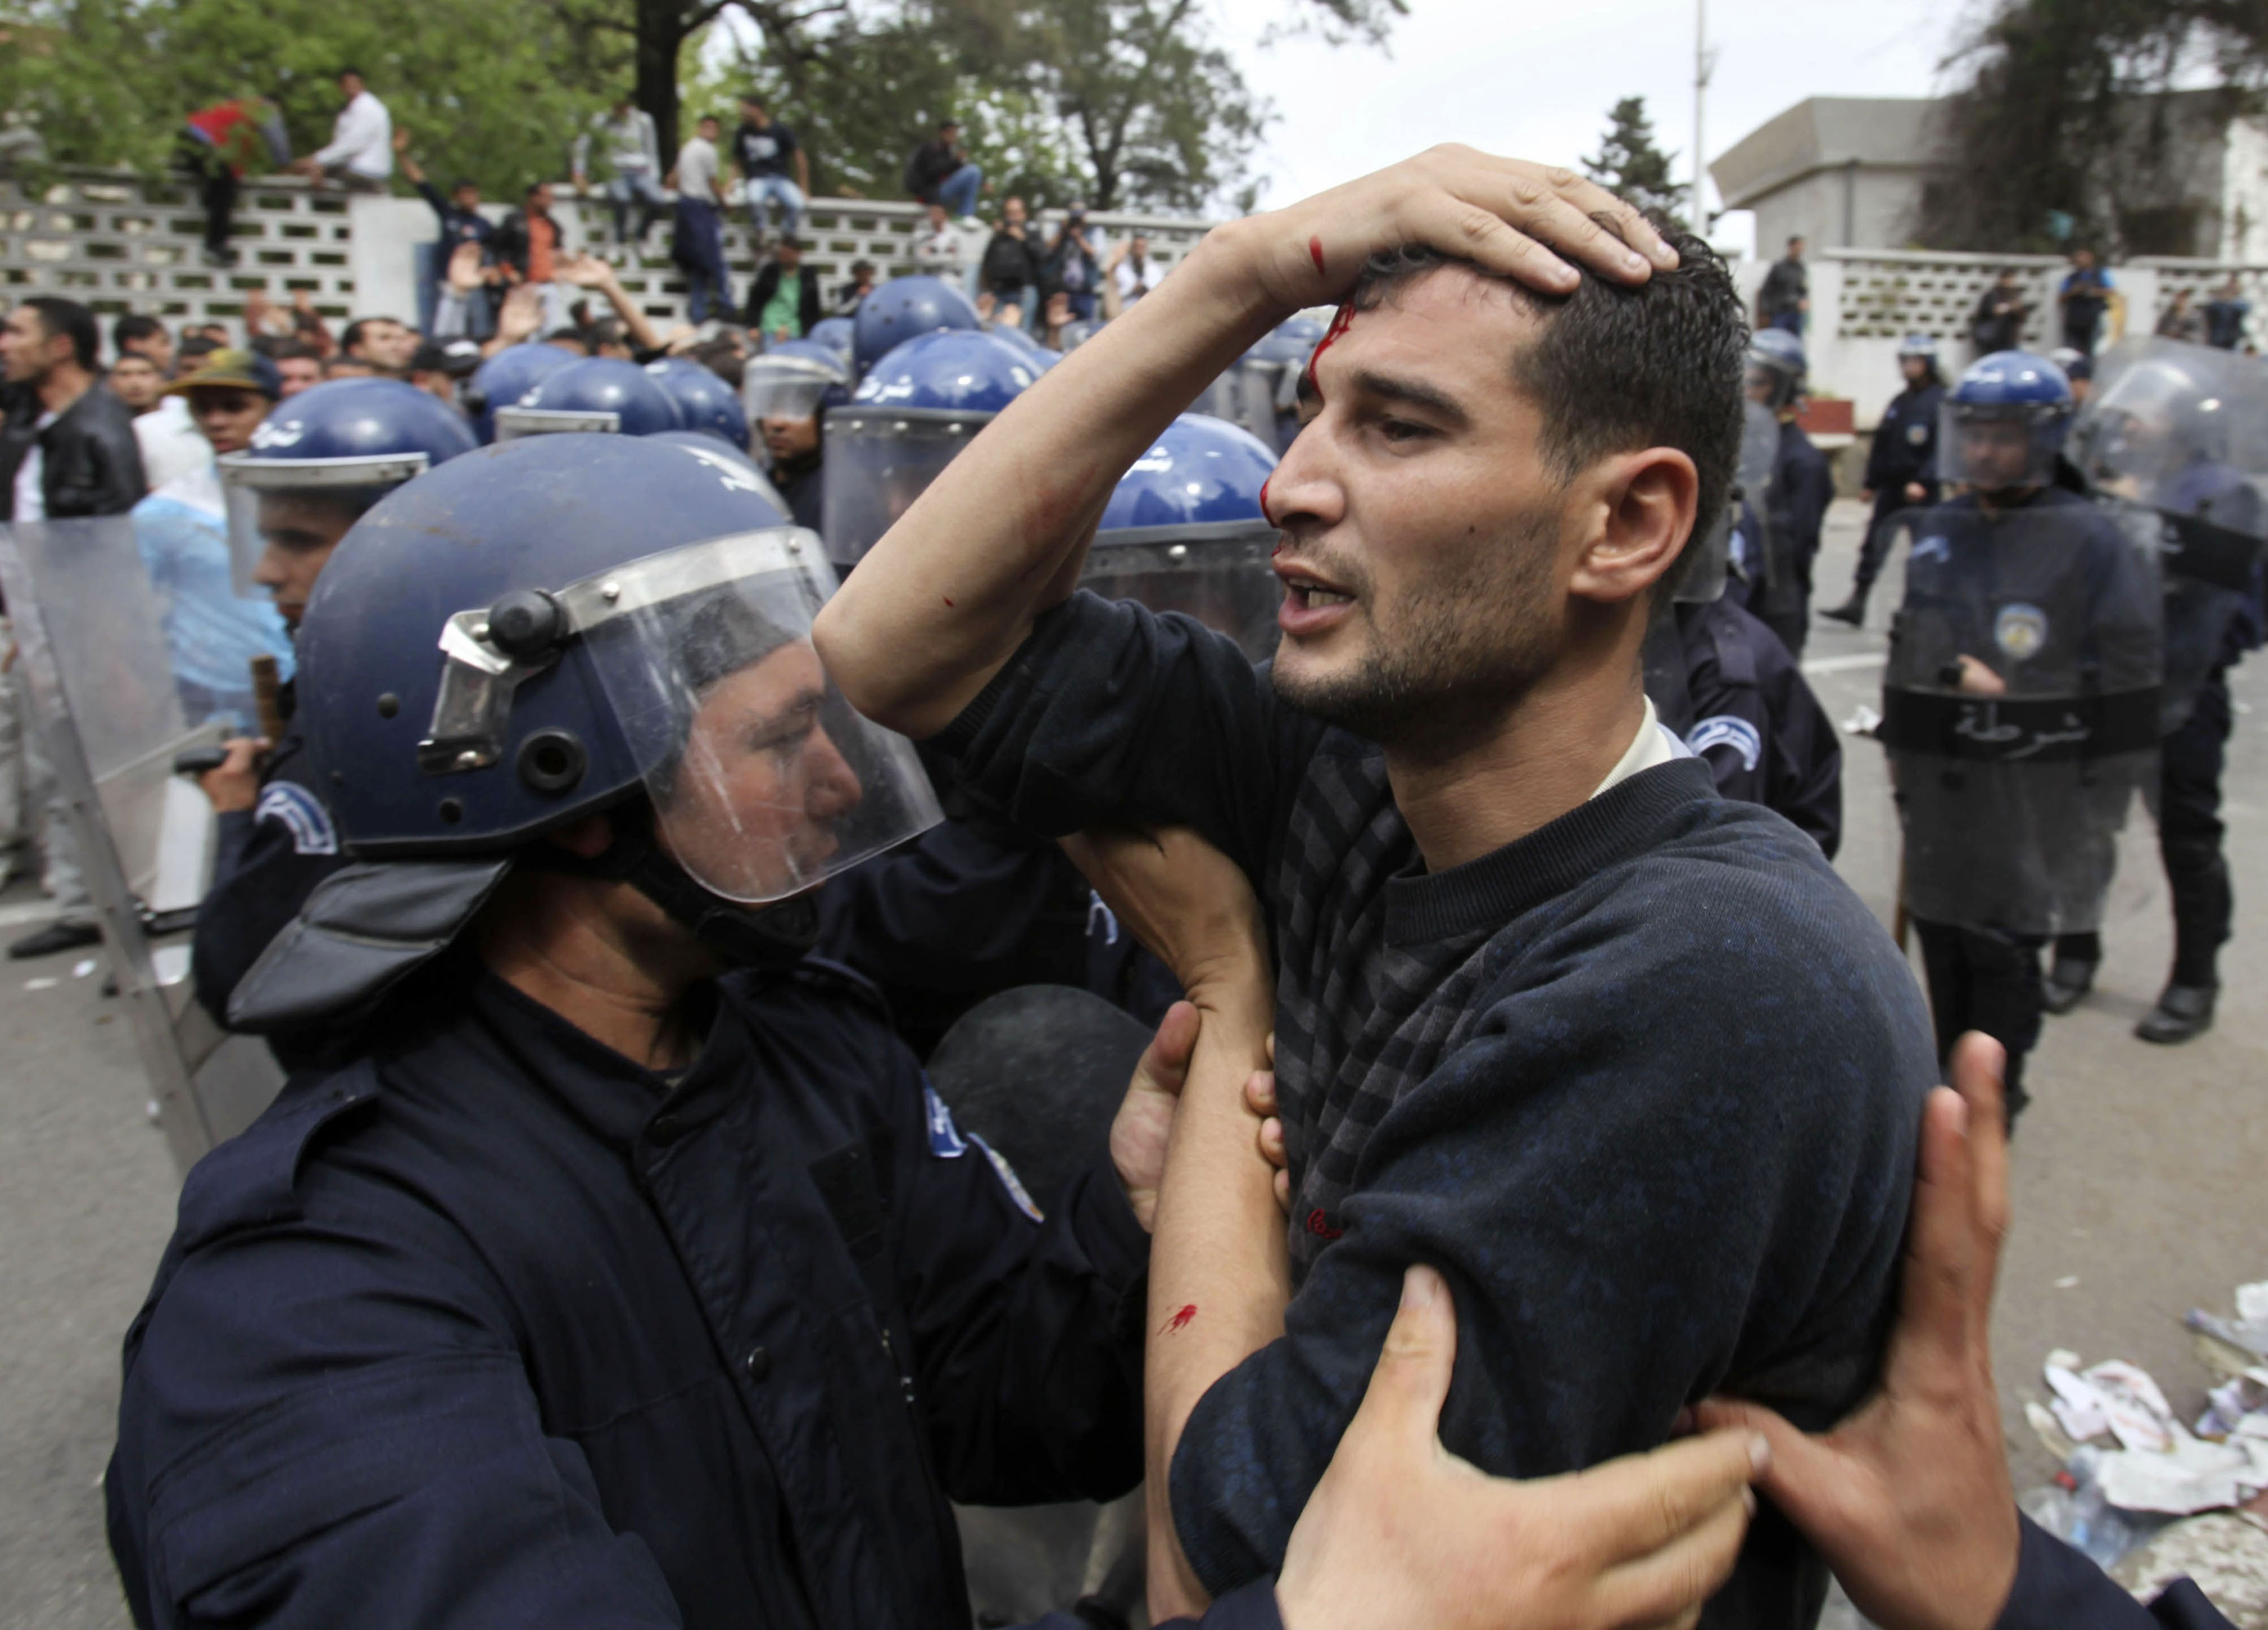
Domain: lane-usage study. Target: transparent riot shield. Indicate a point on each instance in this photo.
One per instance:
(879, 461)
(117, 701)
(2175, 442)
(1763, 562)
(1219, 574)
(2019, 710)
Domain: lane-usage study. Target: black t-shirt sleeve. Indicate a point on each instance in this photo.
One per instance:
(1111, 714)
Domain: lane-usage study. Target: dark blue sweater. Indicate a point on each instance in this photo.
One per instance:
(1644, 1085)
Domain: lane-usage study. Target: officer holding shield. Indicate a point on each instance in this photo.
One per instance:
(787, 391)
(2020, 705)
(2177, 439)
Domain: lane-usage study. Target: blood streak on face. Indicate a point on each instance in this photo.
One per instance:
(1266, 514)
(1340, 324)
(1316, 254)
(1179, 1319)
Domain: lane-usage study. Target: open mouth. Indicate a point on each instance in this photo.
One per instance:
(1308, 591)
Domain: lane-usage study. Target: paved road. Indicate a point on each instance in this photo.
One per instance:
(2141, 1173)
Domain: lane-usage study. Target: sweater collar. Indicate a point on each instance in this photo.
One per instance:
(1483, 896)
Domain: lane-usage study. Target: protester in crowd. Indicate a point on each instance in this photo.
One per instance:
(938, 251)
(698, 244)
(2181, 320)
(297, 367)
(764, 151)
(1072, 264)
(342, 366)
(462, 225)
(170, 442)
(629, 163)
(1010, 272)
(1998, 323)
(939, 173)
(529, 244)
(628, 333)
(2225, 314)
(385, 342)
(212, 634)
(1130, 274)
(784, 300)
(1784, 299)
(2083, 296)
(219, 145)
(360, 157)
(144, 337)
(437, 367)
(725, 355)
(67, 451)
(853, 294)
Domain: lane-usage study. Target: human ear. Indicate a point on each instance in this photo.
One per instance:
(1649, 500)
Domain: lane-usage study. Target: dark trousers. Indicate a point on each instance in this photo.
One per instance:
(2189, 832)
(1984, 979)
(1875, 548)
(700, 255)
(216, 190)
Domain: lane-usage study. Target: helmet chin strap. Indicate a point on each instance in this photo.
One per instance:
(769, 937)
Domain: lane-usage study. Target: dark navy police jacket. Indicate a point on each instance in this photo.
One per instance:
(496, 1327)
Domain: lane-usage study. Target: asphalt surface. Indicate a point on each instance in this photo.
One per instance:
(2141, 1173)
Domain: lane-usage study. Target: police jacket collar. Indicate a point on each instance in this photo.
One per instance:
(620, 1099)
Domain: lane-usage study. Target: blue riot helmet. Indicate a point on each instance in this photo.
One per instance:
(1022, 339)
(323, 457)
(704, 401)
(838, 334)
(505, 378)
(1185, 531)
(561, 626)
(915, 410)
(601, 394)
(1920, 346)
(901, 308)
(2003, 424)
(707, 447)
(795, 379)
(1775, 368)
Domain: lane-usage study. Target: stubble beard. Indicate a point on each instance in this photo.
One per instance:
(1451, 655)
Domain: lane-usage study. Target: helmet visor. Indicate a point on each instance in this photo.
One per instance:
(877, 463)
(1220, 575)
(764, 781)
(514, 424)
(300, 505)
(1998, 448)
(785, 387)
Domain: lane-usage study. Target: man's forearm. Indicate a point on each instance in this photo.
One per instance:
(950, 592)
(1220, 1268)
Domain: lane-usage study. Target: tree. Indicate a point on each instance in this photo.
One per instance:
(2068, 127)
(1629, 165)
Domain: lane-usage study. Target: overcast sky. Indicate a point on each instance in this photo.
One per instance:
(1514, 77)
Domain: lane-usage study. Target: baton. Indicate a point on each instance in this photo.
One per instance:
(266, 688)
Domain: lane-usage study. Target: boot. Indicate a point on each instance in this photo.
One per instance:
(56, 936)
(1853, 610)
(2069, 980)
(2184, 1013)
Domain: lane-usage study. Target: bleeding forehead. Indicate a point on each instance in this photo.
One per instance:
(1452, 328)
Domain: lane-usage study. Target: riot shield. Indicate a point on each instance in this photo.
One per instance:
(117, 694)
(1219, 574)
(2175, 440)
(2019, 710)
(879, 461)
(1753, 555)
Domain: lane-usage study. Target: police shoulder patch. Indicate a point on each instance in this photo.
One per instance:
(1009, 1180)
(1916, 434)
(1727, 730)
(300, 813)
(944, 1139)
(2019, 630)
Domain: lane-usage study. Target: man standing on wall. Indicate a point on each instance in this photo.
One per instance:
(1785, 301)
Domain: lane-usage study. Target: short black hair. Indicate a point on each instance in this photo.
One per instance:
(722, 358)
(59, 316)
(351, 336)
(749, 98)
(132, 328)
(569, 336)
(461, 182)
(1618, 368)
(194, 347)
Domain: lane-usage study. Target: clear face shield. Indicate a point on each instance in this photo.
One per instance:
(516, 423)
(1220, 574)
(764, 781)
(1710, 549)
(1769, 387)
(1999, 448)
(302, 506)
(879, 461)
(786, 387)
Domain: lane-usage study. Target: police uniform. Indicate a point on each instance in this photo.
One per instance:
(806, 492)
(1902, 453)
(1802, 486)
(1755, 722)
(498, 1326)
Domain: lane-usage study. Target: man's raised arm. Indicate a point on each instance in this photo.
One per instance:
(942, 602)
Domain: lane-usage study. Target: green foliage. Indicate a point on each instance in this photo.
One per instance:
(2066, 131)
(1629, 165)
(494, 91)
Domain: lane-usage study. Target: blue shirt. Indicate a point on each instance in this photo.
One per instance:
(212, 633)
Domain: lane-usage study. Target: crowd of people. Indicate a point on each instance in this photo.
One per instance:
(629, 874)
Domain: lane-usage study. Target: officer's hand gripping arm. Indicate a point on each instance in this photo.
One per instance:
(950, 592)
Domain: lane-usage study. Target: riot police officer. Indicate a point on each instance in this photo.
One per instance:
(1901, 464)
(2020, 705)
(1795, 499)
(788, 391)
(601, 393)
(2173, 436)
(897, 312)
(704, 401)
(314, 467)
(1724, 684)
(505, 378)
